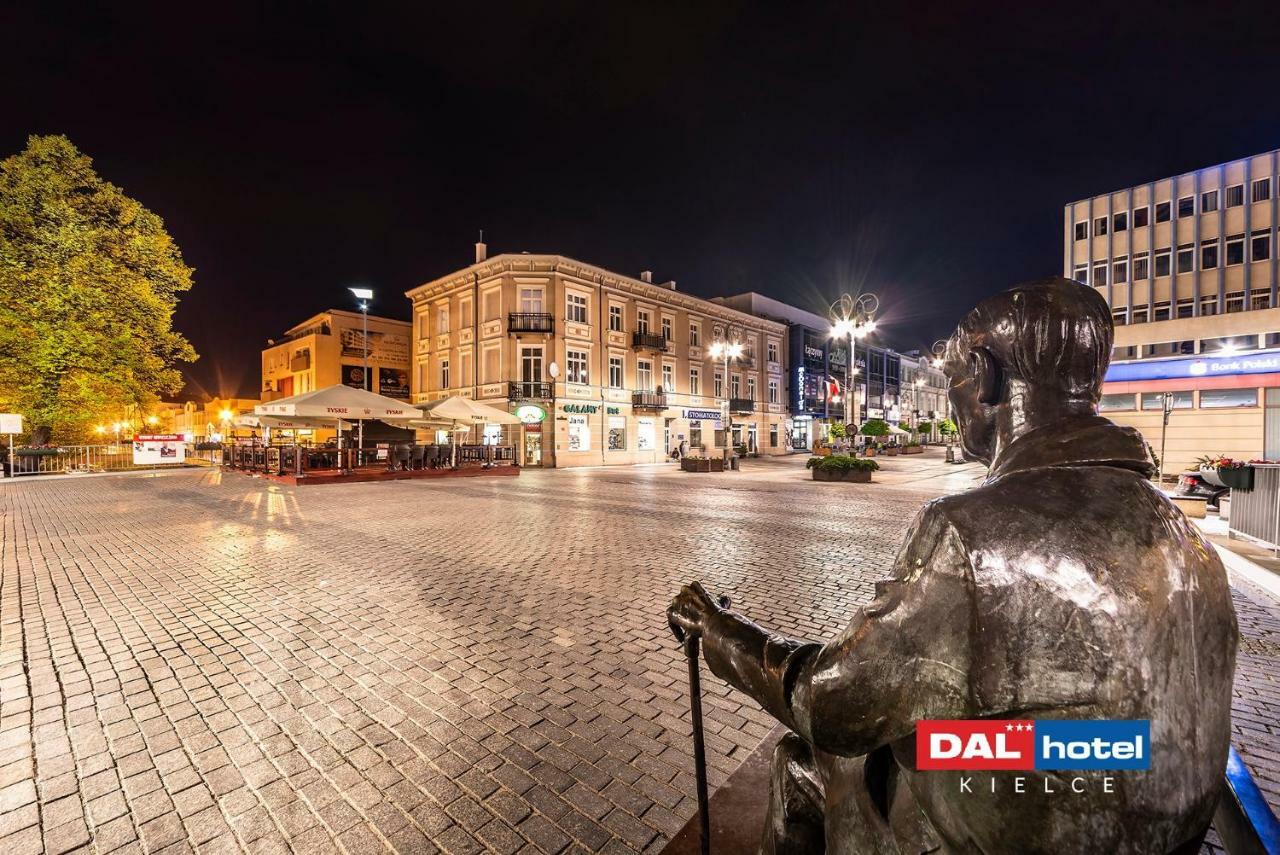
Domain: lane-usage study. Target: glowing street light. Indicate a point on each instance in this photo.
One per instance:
(364, 295)
(853, 318)
(726, 350)
(153, 420)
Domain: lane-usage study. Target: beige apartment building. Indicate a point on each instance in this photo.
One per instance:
(601, 368)
(1188, 265)
(329, 348)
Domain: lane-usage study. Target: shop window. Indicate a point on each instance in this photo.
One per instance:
(1116, 403)
(1155, 400)
(695, 434)
(617, 433)
(1218, 399)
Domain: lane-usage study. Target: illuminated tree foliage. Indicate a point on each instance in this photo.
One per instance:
(89, 280)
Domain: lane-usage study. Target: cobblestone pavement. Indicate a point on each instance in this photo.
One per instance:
(204, 661)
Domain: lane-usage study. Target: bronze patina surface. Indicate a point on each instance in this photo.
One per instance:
(1066, 586)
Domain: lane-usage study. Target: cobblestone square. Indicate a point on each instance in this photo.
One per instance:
(206, 662)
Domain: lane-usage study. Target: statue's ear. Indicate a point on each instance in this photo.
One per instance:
(987, 376)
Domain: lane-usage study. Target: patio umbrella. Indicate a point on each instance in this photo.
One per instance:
(464, 411)
(894, 429)
(334, 404)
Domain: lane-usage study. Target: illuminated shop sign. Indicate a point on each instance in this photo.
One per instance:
(1262, 362)
(702, 415)
(589, 409)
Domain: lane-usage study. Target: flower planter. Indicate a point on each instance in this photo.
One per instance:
(702, 464)
(893, 451)
(857, 476)
(1210, 475)
(913, 449)
(1240, 478)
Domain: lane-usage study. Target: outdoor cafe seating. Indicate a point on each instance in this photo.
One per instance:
(299, 460)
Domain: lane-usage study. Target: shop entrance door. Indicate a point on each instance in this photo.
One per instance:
(532, 448)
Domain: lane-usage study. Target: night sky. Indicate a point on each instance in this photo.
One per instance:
(799, 151)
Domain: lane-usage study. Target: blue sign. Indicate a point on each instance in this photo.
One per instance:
(1106, 744)
(702, 415)
(1259, 362)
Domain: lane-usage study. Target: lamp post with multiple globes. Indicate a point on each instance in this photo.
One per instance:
(727, 351)
(364, 295)
(853, 318)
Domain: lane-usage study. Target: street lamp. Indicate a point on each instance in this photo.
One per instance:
(225, 416)
(726, 350)
(853, 318)
(364, 295)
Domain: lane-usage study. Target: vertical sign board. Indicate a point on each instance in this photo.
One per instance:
(158, 448)
(10, 423)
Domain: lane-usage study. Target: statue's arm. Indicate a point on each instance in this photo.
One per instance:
(903, 657)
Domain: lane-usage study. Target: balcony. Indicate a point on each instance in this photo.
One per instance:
(301, 362)
(649, 400)
(531, 322)
(524, 391)
(648, 341)
(742, 405)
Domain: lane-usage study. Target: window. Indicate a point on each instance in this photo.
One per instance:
(1120, 271)
(1186, 259)
(575, 362)
(1214, 399)
(751, 388)
(669, 378)
(717, 385)
(1155, 400)
(1260, 247)
(531, 301)
(1162, 212)
(1100, 226)
(1141, 217)
(1120, 221)
(1082, 230)
(1100, 274)
(695, 381)
(642, 321)
(1186, 206)
(1208, 256)
(1119, 401)
(617, 433)
(735, 386)
(695, 334)
(615, 372)
(644, 375)
(1235, 301)
(695, 434)
(442, 319)
(1235, 196)
(666, 329)
(773, 351)
(1162, 263)
(1208, 305)
(444, 374)
(1082, 274)
(773, 435)
(575, 308)
(1141, 268)
(773, 391)
(1259, 300)
(1261, 190)
(1118, 317)
(615, 318)
(1139, 315)
(1235, 251)
(1186, 307)
(1208, 201)
(1161, 311)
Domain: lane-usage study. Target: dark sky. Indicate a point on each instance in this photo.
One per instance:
(796, 150)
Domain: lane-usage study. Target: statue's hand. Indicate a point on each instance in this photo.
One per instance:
(691, 609)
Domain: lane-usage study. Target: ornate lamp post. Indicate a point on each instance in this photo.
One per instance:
(364, 295)
(853, 318)
(726, 350)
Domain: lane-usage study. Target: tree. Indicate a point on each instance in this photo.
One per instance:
(89, 280)
(875, 427)
(946, 427)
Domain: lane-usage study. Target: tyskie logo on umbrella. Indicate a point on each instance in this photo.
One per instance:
(1022, 744)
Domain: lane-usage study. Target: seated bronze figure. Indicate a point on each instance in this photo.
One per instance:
(1065, 587)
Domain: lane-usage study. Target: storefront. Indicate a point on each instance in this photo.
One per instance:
(1220, 404)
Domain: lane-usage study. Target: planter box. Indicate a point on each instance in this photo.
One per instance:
(1210, 475)
(913, 449)
(893, 451)
(712, 464)
(857, 476)
(1237, 479)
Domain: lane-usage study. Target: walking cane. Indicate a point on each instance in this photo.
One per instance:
(699, 745)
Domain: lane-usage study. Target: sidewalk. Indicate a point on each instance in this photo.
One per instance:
(1243, 558)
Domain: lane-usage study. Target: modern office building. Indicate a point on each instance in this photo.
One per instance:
(330, 348)
(818, 378)
(601, 368)
(924, 389)
(1188, 266)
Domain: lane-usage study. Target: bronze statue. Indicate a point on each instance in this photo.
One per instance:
(1065, 587)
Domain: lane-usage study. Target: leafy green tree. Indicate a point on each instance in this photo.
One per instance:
(946, 427)
(89, 280)
(875, 427)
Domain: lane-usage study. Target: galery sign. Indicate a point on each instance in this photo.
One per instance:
(158, 448)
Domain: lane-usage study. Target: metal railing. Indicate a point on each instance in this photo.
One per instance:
(1255, 513)
(527, 391)
(742, 405)
(530, 322)
(649, 400)
(116, 457)
(648, 341)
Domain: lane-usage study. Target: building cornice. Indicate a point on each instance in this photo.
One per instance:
(548, 265)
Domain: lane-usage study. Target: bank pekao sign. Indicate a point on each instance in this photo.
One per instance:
(1261, 362)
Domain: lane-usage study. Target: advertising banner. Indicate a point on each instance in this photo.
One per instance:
(158, 448)
(1260, 362)
(393, 383)
(579, 434)
(353, 376)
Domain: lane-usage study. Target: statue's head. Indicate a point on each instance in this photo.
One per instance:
(1026, 357)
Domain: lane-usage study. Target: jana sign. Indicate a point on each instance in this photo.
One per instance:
(158, 448)
(530, 414)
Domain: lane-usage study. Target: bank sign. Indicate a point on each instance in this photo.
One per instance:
(1022, 744)
(1261, 362)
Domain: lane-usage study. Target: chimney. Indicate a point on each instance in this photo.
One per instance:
(671, 284)
(482, 249)
(646, 275)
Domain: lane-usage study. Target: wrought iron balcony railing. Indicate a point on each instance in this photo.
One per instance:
(649, 400)
(526, 391)
(742, 405)
(530, 322)
(648, 341)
